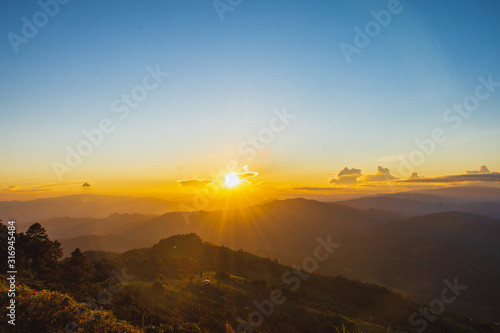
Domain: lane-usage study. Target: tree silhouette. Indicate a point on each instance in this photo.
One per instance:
(77, 269)
(3, 247)
(157, 289)
(38, 252)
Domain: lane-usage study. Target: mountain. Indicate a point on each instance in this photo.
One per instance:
(80, 205)
(258, 228)
(415, 255)
(478, 193)
(479, 200)
(113, 243)
(182, 284)
(412, 255)
(210, 285)
(70, 227)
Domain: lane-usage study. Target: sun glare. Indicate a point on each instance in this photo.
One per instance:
(232, 180)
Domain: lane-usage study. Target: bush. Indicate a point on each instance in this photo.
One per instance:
(49, 311)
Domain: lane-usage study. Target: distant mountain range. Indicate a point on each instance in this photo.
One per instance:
(113, 243)
(479, 200)
(479, 193)
(80, 205)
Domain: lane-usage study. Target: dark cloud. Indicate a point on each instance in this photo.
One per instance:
(11, 188)
(415, 176)
(482, 170)
(41, 187)
(308, 188)
(86, 185)
(482, 175)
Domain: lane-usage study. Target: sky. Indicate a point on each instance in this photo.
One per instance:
(290, 97)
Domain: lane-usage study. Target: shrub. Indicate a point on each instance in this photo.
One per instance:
(49, 311)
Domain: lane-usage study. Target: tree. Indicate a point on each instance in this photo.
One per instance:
(39, 253)
(157, 289)
(4, 247)
(77, 270)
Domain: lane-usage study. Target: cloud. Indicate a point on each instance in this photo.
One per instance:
(414, 176)
(482, 170)
(40, 187)
(311, 188)
(201, 183)
(346, 172)
(247, 175)
(482, 175)
(197, 183)
(86, 185)
(11, 188)
(354, 176)
(347, 176)
(382, 175)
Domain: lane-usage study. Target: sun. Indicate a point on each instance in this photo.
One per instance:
(232, 180)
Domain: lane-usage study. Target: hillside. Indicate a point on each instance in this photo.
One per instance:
(239, 281)
(411, 255)
(416, 254)
(182, 284)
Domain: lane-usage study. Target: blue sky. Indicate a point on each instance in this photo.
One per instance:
(226, 77)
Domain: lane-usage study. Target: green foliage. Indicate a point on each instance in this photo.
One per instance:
(77, 270)
(4, 246)
(49, 311)
(37, 253)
